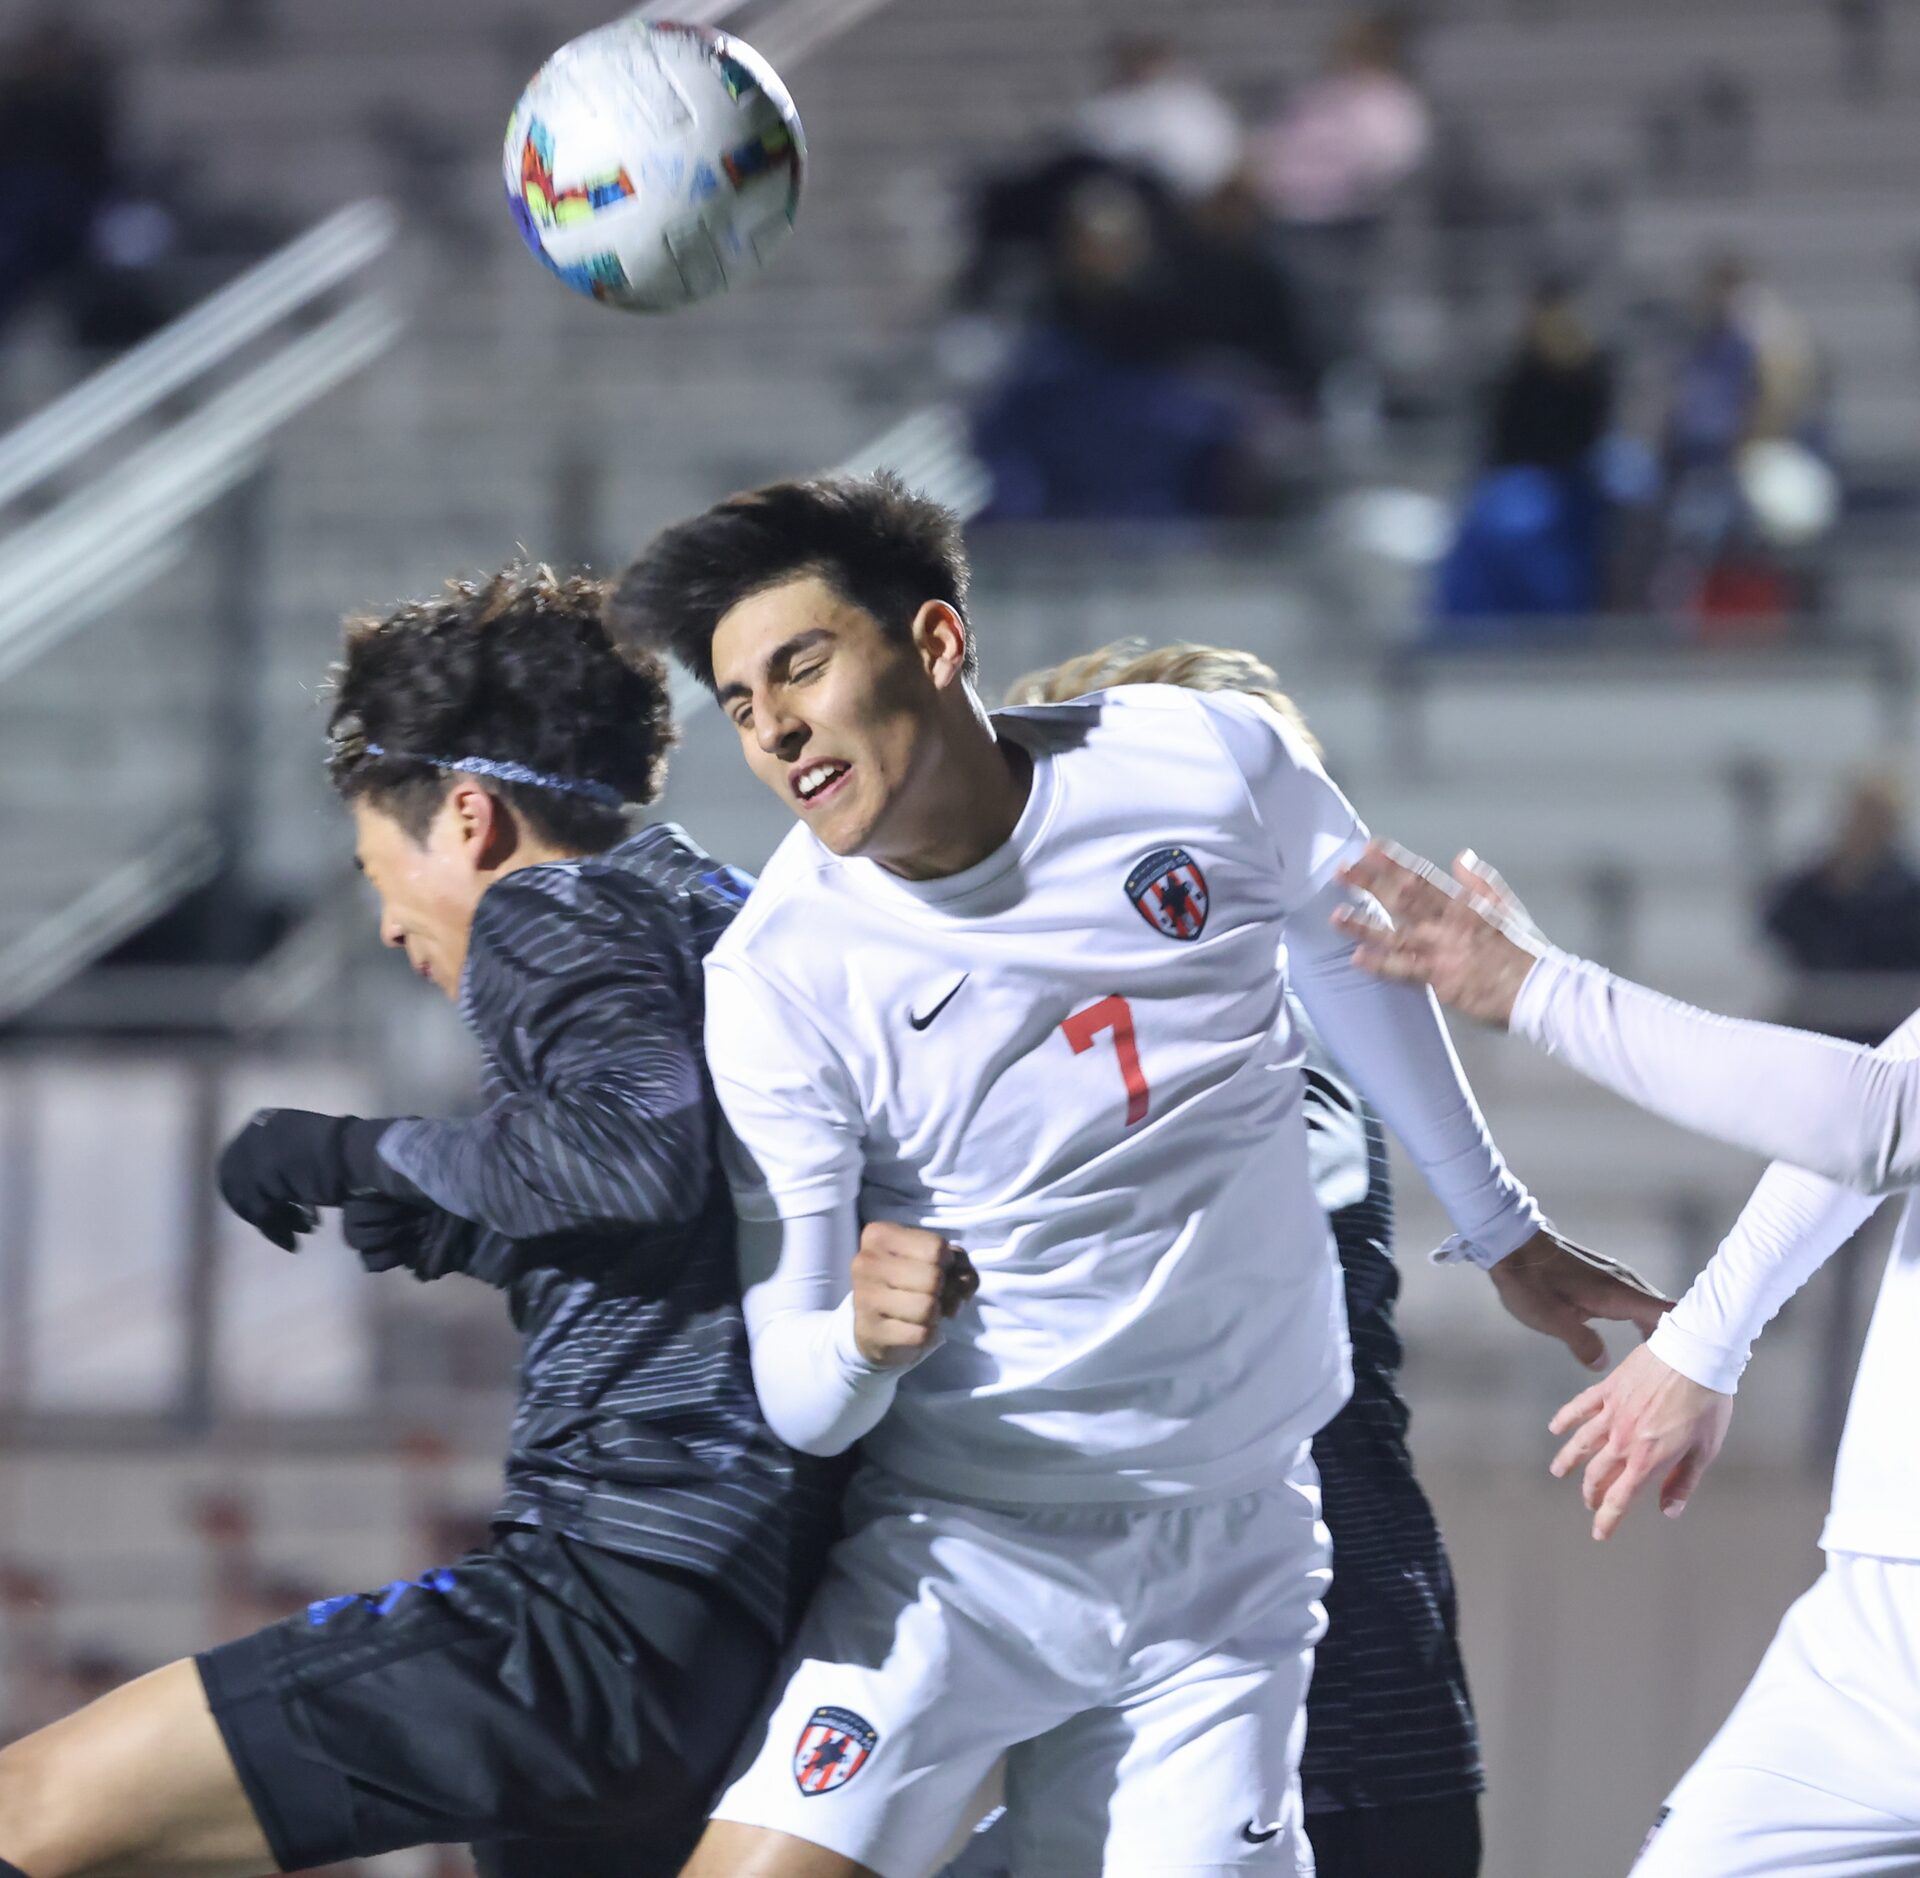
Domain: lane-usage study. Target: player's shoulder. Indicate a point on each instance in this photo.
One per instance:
(1118, 711)
(1141, 717)
(655, 893)
(785, 903)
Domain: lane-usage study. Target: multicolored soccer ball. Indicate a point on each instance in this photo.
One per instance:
(651, 164)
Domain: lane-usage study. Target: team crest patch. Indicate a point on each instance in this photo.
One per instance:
(834, 1746)
(1171, 893)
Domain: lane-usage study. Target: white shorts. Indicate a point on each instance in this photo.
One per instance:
(1143, 1669)
(1818, 1767)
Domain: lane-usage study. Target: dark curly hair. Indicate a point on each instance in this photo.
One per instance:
(875, 542)
(515, 669)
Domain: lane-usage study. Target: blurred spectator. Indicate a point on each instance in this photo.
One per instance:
(1157, 115)
(1854, 911)
(230, 26)
(1532, 542)
(1861, 29)
(1553, 400)
(1338, 153)
(1698, 133)
(1096, 418)
(59, 117)
(1746, 488)
(1329, 167)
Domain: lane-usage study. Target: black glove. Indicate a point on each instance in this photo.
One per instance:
(287, 1162)
(429, 1241)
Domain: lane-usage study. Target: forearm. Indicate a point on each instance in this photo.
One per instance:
(1390, 1039)
(818, 1393)
(1832, 1108)
(1792, 1225)
(588, 1162)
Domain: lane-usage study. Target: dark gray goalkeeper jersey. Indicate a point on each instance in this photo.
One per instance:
(588, 1190)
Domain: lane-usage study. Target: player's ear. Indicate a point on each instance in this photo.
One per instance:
(940, 638)
(479, 824)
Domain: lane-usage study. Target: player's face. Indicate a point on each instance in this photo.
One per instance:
(427, 890)
(833, 712)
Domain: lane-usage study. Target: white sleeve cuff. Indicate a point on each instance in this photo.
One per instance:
(1488, 1249)
(1549, 972)
(1699, 1359)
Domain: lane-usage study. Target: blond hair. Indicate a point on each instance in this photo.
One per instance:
(1134, 662)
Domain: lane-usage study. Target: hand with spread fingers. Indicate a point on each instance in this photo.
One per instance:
(1467, 937)
(1646, 1422)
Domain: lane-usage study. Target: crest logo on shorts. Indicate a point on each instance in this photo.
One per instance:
(1171, 893)
(834, 1746)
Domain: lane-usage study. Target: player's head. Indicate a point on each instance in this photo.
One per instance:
(829, 620)
(489, 728)
(1134, 662)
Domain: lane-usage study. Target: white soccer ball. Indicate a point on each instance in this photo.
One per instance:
(651, 164)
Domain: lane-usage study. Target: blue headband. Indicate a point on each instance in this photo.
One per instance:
(602, 795)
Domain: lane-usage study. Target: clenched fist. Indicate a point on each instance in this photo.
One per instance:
(905, 1281)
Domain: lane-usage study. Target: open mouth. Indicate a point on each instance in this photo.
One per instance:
(814, 783)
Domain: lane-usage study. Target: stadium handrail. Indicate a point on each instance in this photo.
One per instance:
(51, 568)
(111, 909)
(212, 332)
(113, 529)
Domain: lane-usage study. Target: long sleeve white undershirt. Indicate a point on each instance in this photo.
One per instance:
(818, 1393)
(1793, 1223)
(1837, 1118)
(1837, 1109)
(1393, 1042)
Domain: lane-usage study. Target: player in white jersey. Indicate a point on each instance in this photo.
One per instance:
(1818, 1767)
(1009, 1009)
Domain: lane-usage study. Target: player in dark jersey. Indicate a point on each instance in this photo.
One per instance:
(568, 1697)
(1391, 1773)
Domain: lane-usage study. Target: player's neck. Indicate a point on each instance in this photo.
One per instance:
(963, 810)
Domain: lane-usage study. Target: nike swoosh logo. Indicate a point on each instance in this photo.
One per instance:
(920, 1023)
(1258, 1838)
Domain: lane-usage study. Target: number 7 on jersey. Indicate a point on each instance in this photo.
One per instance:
(1083, 1028)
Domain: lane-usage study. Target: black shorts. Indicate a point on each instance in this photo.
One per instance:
(537, 1694)
(1426, 1839)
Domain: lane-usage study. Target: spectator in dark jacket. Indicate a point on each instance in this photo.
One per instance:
(1853, 915)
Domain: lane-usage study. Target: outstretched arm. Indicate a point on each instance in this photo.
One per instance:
(1391, 1040)
(1662, 1415)
(1836, 1109)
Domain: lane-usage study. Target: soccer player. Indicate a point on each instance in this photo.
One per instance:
(1027, 1211)
(569, 1696)
(1818, 1767)
(1391, 1774)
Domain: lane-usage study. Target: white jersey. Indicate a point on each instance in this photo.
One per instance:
(1074, 1060)
(1814, 1104)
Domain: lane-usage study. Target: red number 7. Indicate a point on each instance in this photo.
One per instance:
(1116, 1015)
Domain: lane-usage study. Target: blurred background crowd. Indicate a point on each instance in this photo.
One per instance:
(1535, 385)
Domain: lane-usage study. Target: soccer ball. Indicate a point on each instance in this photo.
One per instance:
(651, 164)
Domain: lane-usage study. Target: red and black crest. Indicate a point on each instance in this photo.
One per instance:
(1171, 893)
(833, 1747)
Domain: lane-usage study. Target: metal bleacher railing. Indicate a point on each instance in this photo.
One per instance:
(249, 360)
